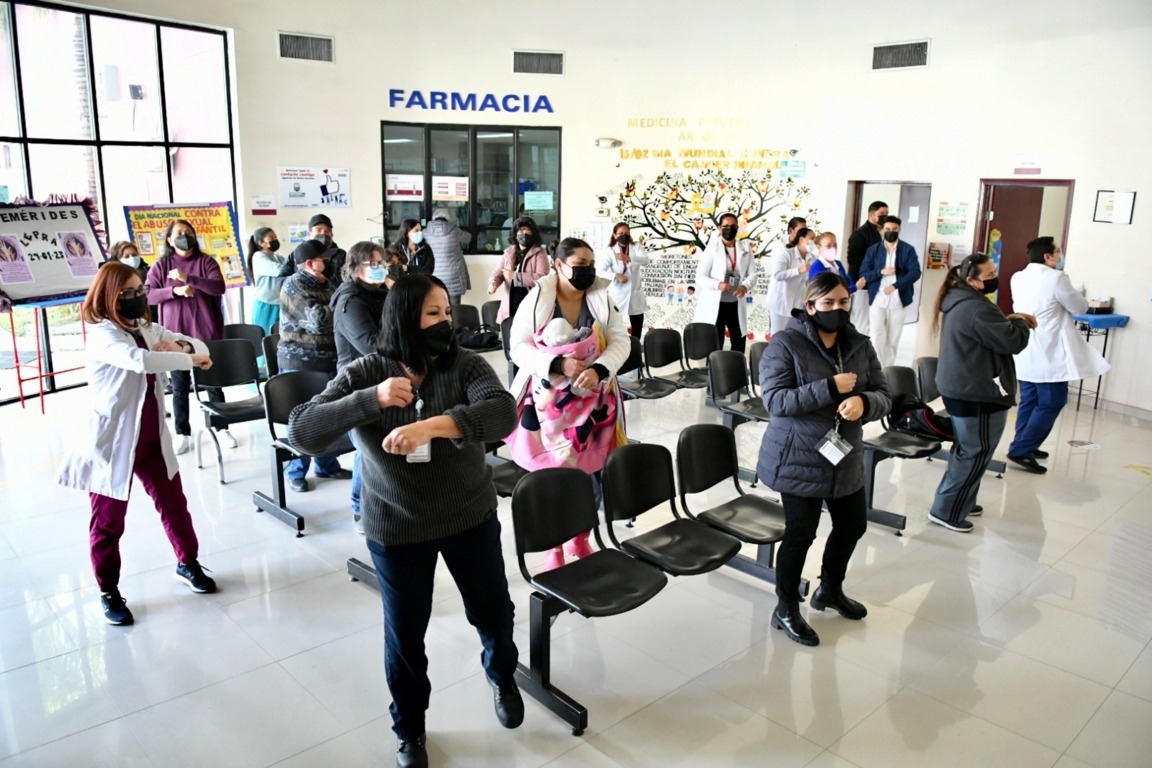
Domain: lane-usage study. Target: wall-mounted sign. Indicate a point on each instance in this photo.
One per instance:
(450, 189)
(453, 101)
(403, 186)
(315, 187)
(538, 201)
(793, 169)
(216, 229)
(1114, 207)
(47, 252)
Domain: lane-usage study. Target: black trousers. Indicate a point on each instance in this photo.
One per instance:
(801, 517)
(729, 318)
(181, 387)
(637, 324)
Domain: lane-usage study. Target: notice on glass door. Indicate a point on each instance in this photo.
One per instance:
(450, 189)
(403, 186)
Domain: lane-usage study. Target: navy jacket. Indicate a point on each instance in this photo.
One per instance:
(796, 385)
(907, 270)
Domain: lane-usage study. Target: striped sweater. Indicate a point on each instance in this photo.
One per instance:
(405, 503)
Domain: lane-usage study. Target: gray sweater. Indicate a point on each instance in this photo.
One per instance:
(405, 503)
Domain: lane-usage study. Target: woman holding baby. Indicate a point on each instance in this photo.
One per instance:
(568, 404)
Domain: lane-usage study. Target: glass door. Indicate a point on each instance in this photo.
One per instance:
(495, 192)
(451, 161)
(404, 192)
(538, 182)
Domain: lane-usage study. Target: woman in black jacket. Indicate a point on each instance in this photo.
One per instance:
(410, 242)
(820, 378)
(357, 307)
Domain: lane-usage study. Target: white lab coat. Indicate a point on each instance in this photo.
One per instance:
(629, 297)
(788, 287)
(1057, 351)
(710, 272)
(103, 456)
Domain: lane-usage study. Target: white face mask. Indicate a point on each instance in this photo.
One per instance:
(829, 253)
(812, 251)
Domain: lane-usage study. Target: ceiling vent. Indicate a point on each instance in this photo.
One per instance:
(900, 56)
(537, 63)
(308, 47)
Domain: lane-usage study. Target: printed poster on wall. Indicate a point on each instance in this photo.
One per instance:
(47, 252)
(315, 187)
(216, 229)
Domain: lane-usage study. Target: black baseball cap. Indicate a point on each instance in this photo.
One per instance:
(319, 219)
(313, 249)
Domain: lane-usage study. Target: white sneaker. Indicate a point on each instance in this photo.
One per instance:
(227, 438)
(183, 444)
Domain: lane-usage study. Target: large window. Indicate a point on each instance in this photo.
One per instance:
(123, 110)
(484, 175)
(126, 111)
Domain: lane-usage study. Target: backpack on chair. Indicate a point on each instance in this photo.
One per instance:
(911, 414)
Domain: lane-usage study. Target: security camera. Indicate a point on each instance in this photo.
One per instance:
(602, 199)
(606, 142)
(793, 152)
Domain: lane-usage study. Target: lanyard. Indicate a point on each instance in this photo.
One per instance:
(732, 258)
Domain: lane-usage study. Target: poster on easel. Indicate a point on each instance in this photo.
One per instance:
(216, 230)
(47, 251)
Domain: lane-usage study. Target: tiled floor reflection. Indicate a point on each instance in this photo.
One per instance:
(1026, 643)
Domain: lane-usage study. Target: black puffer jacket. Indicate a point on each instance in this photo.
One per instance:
(356, 314)
(796, 383)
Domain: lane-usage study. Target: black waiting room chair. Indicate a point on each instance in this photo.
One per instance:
(727, 378)
(270, 343)
(233, 364)
(682, 546)
(549, 507)
(700, 340)
(640, 387)
(253, 334)
(926, 385)
(663, 346)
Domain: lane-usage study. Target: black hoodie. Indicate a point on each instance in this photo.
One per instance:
(356, 314)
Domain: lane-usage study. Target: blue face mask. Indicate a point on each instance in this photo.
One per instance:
(1060, 264)
(375, 274)
(131, 261)
(417, 237)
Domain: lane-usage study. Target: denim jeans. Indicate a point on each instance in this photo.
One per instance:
(801, 518)
(357, 480)
(1040, 406)
(298, 468)
(976, 439)
(405, 574)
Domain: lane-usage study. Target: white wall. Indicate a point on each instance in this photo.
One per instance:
(1063, 81)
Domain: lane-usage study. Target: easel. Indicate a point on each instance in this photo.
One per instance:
(43, 367)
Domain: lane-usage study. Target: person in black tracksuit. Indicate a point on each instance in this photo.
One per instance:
(820, 374)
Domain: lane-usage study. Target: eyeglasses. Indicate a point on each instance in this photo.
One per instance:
(374, 264)
(132, 293)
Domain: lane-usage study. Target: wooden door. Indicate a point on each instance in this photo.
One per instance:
(1014, 222)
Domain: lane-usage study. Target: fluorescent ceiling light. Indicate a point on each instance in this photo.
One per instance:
(399, 141)
(493, 135)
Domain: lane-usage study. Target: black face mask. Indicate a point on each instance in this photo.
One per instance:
(991, 285)
(439, 337)
(274, 246)
(729, 233)
(396, 271)
(324, 239)
(328, 270)
(582, 277)
(525, 239)
(832, 320)
(184, 243)
(132, 309)
(891, 237)
(623, 239)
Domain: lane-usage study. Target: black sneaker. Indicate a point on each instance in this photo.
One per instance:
(115, 609)
(976, 511)
(412, 754)
(192, 574)
(961, 527)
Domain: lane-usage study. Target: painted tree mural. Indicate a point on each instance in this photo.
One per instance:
(679, 213)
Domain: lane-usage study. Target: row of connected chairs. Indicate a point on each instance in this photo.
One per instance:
(551, 506)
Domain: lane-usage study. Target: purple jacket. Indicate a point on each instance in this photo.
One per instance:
(200, 316)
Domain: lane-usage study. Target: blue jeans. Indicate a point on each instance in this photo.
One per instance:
(976, 439)
(1040, 406)
(298, 468)
(357, 480)
(405, 574)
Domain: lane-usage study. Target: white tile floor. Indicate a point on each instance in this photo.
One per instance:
(1023, 644)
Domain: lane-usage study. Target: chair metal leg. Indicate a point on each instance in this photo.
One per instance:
(882, 517)
(219, 454)
(536, 679)
(274, 505)
(362, 572)
(763, 567)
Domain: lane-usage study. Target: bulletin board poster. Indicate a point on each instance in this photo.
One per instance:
(315, 187)
(47, 252)
(216, 229)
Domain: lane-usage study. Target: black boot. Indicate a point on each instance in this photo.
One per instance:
(787, 617)
(831, 595)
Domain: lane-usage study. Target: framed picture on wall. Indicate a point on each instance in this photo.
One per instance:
(1114, 207)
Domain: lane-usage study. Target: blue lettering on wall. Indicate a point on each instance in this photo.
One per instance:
(468, 102)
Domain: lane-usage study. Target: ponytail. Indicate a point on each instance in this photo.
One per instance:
(957, 278)
(253, 249)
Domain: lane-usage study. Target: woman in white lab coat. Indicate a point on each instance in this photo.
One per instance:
(127, 357)
(1057, 353)
(622, 262)
(789, 270)
(724, 276)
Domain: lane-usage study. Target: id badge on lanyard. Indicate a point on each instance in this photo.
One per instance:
(422, 454)
(832, 446)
